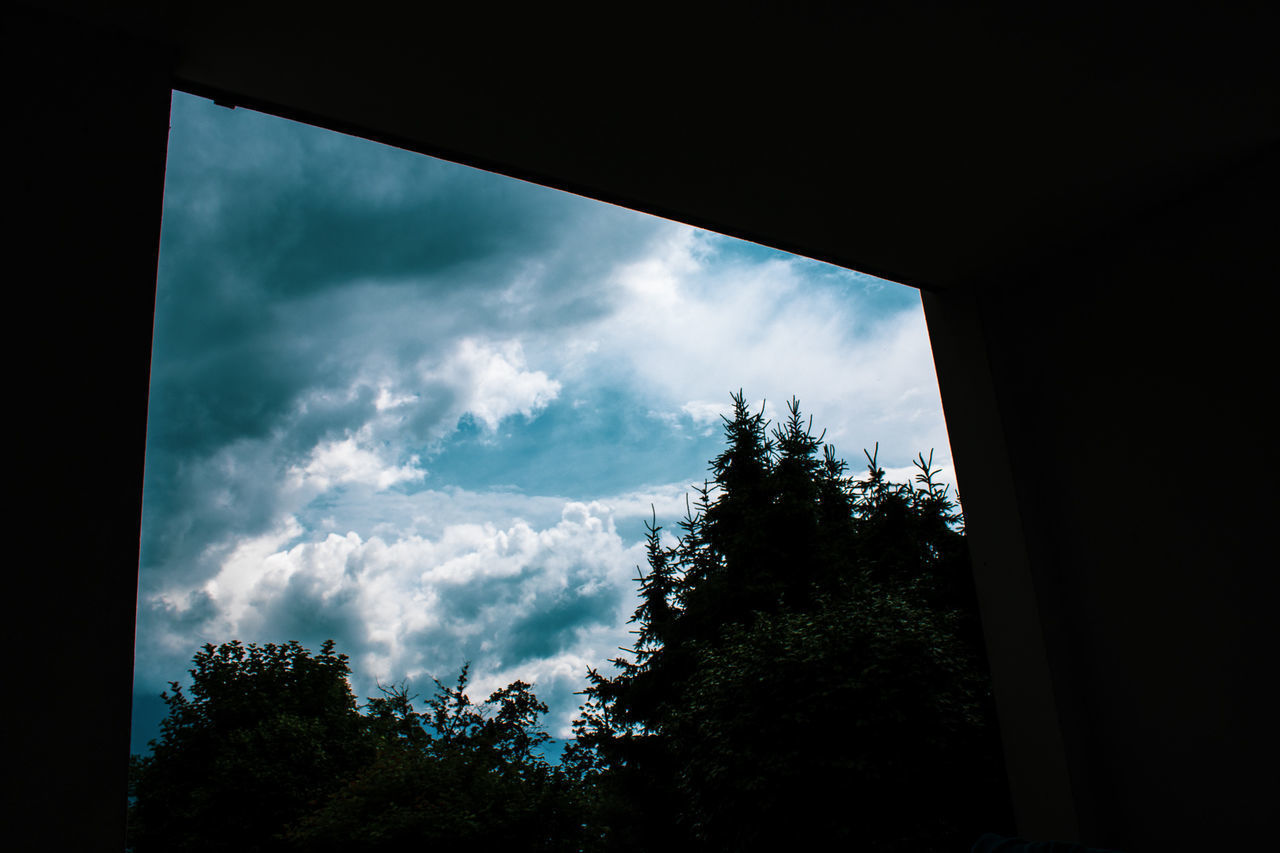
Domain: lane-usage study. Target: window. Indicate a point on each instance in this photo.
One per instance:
(424, 409)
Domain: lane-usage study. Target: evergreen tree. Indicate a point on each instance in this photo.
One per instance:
(805, 667)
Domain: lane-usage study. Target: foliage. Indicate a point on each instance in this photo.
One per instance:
(455, 773)
(808, 668)
(270, 752)
(807, 665)
(265, 731)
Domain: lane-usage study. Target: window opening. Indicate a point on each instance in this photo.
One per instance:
(425, 410)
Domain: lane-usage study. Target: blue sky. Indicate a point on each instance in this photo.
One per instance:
(424, 410)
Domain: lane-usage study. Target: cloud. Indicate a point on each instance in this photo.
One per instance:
(697, 319)
(705, 413)
(536, 602)
(494, 382)
(342, 462)
(371, 433)
(329, 308)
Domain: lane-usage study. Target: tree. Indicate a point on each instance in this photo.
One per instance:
(805, 667)
(266, 731)
(457, 773)
(270, 752)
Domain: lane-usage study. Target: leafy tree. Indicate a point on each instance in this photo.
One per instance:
(265, 732)
(457, 773)
(805, 669)
(271, 753)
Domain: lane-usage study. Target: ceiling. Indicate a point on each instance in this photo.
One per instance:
(916, 141)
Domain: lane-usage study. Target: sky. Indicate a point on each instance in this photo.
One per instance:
(425, 410)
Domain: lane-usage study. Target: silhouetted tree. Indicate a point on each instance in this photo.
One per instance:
(457, 773)
(265, 732)
(805, 667)
(271, 753)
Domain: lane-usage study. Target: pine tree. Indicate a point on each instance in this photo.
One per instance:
(805, 667)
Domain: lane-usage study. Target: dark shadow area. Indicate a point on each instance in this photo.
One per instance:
(1088, 200)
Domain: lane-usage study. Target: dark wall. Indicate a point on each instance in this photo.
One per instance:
(84, 195)
(1105, 407)
(1128, 389)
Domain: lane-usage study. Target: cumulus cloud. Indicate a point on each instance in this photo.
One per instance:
(372, 432)
(697, 321)
(340, 462)
(517, 601)
(328, 309)
(494, 382)
(705, 413)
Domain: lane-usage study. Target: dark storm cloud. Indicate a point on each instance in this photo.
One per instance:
(526, 617)
(289, 253)
(296, 264)
(298, 211)
(190, 503)
(261, 211)
(549, 624)
(199, 612)
(309, 611)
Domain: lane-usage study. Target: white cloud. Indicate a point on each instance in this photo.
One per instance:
(705, 412)
(389, 400)
(668, 502)
(253, 564)
(692, 326)
(493, 381)
(342, 462)
(536, 603)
